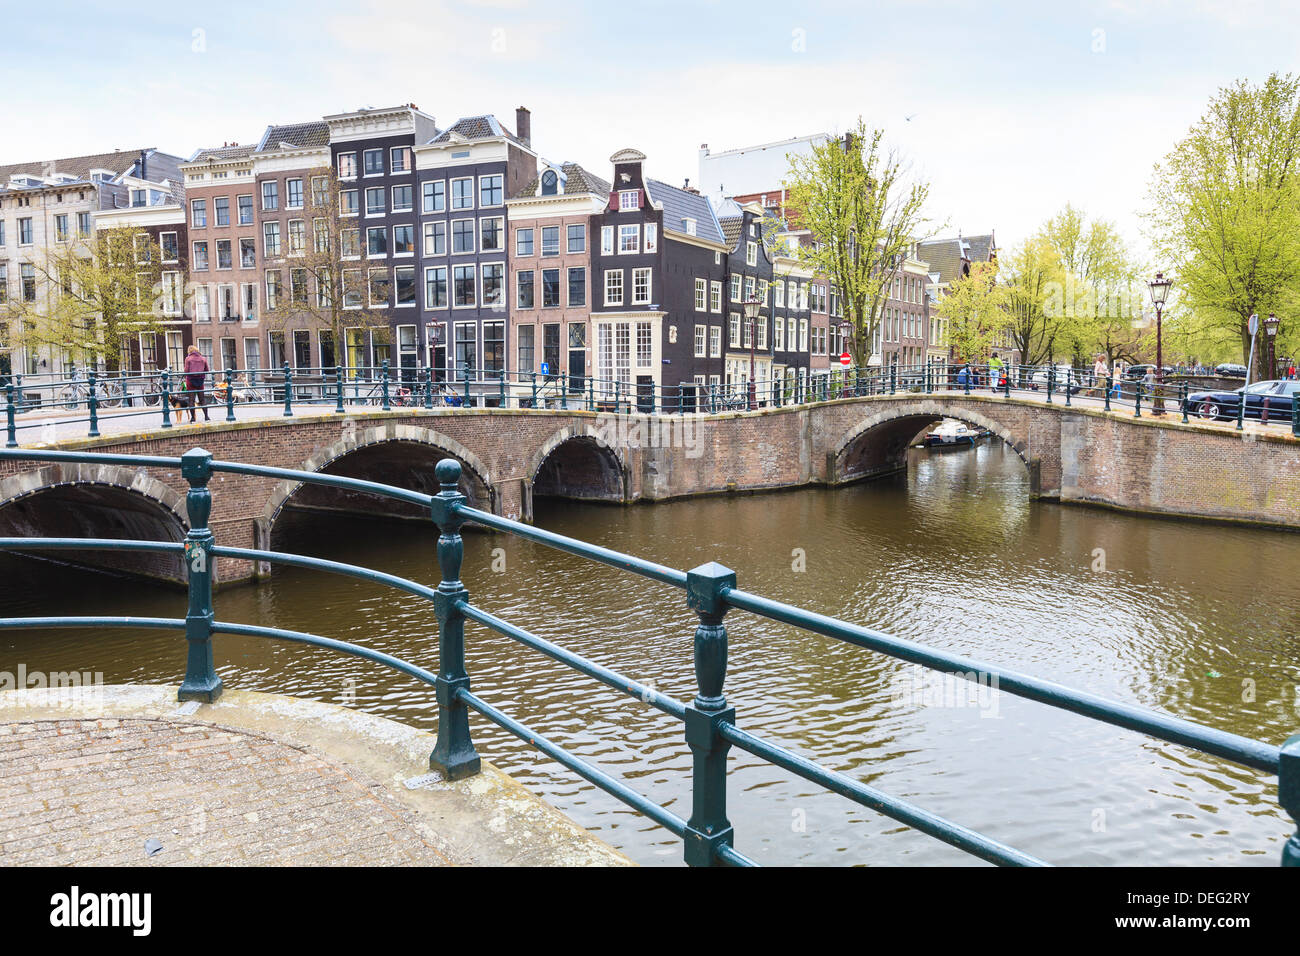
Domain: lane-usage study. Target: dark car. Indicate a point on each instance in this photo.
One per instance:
(1135, 373)
(1230, 370)
(1279, 395)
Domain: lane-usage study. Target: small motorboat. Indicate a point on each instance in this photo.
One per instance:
(954, 434)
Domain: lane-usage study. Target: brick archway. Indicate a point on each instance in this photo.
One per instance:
(380, 435)
(611, 455)
(923, 412)
(16, 487)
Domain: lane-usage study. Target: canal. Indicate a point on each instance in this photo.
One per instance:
(1193, 619)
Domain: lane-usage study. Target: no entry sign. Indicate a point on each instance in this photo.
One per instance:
(845, 359)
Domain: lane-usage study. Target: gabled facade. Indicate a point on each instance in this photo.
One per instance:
(550, 221)
(657, 246)
(464, 176)
(372, 151)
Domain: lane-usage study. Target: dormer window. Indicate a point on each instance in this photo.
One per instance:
(550, 183)
(689, 226)
(629, 200)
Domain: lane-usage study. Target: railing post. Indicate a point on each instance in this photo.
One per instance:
(338, 389)
(1184, 403)
(893, 379)
(453, 754)
(564, 390)
(1051, 382)
(126, 388)
(288, 391)
(501, 379)
(201, 680)
(167, 398)
(12, 427)
(1295, 415)
(1006, 389)
(92, 403)
(708, 827)
(428, 387)
(230, 398)
(465, 374)
(1288, 795)
(1069, 377)
(1241, 411)
(383, 386)
(1137, 400)
(1110, 384)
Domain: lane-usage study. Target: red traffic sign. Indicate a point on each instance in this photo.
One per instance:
(845, 359)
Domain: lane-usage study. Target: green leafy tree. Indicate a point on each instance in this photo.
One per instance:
(864, 215)
(1226, 207)
(978, 308)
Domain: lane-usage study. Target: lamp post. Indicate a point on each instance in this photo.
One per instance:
(1270, 326)
(752, 305)
(1159, 287)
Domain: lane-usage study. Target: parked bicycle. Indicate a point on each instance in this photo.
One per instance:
(77, 392)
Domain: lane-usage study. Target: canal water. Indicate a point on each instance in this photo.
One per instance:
(1191, 619)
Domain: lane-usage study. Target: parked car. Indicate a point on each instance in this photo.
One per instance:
(1230, 370)
(1280, 394)
(1135, 373)
(1064, 373)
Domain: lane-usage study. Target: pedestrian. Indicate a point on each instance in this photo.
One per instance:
(1099, 371)
(995, 372)
(963, 376)
(196, 371)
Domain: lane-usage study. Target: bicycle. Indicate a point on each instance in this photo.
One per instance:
(107, 395)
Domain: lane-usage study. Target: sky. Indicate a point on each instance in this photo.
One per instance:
(1008, 110)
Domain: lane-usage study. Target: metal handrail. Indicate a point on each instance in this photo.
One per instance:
(710, 723)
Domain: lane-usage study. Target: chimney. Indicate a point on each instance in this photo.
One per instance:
(144, 165)
(524, 125)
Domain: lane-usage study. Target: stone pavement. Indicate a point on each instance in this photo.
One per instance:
(91, 775)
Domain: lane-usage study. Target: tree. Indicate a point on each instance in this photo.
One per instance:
(325, 282)
(85, 296)
(863, 216)
(1226, 206)
(1031, 272)
(977, 308)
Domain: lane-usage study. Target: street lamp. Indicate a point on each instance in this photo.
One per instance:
(752, 305)
(1270, 326)
(1159, 287)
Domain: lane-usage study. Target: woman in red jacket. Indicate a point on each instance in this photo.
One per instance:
(196, 371)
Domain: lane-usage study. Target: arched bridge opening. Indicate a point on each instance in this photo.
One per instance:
(76, 509)
(401, 462)
(879, 446)
(580, 468)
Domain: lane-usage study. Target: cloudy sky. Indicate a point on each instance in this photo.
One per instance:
(1015, 108)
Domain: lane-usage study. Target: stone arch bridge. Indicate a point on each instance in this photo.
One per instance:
(512, 456)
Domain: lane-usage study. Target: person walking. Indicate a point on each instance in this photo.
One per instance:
(1099, 372)
(995, 372)
(196, 371)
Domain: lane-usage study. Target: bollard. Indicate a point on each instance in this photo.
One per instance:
(708, 827)
(288, 391)
(453, 754)
(230, 399)
(166, 399)
(201, 680)
(92, 403)
(338, 389)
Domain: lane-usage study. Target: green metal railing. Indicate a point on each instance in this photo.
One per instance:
(710, 723)
(339, 388)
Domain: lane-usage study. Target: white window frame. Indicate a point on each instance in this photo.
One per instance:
(613, 284)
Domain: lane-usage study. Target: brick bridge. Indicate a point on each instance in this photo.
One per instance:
(1080, 454)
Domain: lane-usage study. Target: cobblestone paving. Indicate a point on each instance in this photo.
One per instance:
(94, 791)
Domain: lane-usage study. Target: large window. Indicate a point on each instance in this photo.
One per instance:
(347, 165)
(270, 194)
(198, 219)
(494, 346)
(466, 353)
(435, 195)
(399, 158)
(462, 286)
(200, 263)
(293, 193)
(375, 201)
(526, 353)
(373, 160)
(577, 286)
(640, 286)
(701, 295)
(613, 286)
(271, 239)
(380, 288)
(462, 235)
(402, 200)
(247, 254)
(405, 282)
(462, 194)
(435, 287)
(221, 209)
(629, 240)
(550, 240)
(404, 240)
(524, 294)
(577, 238)
(494, 286)
(491, 190)
(348, 202)
(297, 237)
(524, 242)
(550, 288)
(435, 238)
(376, 242)
(492, 235)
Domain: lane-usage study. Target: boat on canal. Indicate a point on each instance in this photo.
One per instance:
(951, 433)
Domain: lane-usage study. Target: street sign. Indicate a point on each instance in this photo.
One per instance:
(845, 359)
(1254, 323)
(546, 368)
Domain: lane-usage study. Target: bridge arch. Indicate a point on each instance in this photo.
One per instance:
(394, 454)
(877, 445)
(68, 500)
(577, 462)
